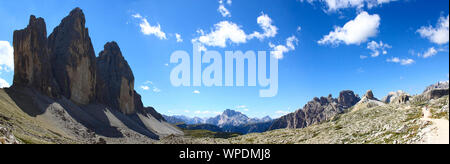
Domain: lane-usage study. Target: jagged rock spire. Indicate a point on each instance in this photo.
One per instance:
(73, 57)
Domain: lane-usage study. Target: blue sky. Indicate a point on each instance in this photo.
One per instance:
(358, 45)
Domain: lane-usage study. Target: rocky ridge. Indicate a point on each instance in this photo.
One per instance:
(317, 110)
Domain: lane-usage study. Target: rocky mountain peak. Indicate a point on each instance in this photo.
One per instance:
(439, 85)
(436, 90)
(348, 98)
(32, 67)
(73, 57)
(369, 95)
(115, 80)
(231, 113)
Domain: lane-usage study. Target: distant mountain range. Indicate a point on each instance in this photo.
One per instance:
(228, 121)
(227, 118)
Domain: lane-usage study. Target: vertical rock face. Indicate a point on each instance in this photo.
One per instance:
(73, 58)
(64, 65)
(32, 67)
(115, 80)
(348, 98)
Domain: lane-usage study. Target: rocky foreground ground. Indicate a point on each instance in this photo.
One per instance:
(394, 123)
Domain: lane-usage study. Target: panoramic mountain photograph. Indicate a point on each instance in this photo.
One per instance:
(224, 72)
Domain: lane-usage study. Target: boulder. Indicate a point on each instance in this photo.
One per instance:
(7, 137)
(32, 67)
(115, 80)
(73, 58)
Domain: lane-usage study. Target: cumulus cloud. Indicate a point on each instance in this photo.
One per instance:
(438, 34)
(265, 22)
(179, 39)
(335, 5)
(406, 61)
(6, 56)
(148, 29)
(378, 48)
(3, 83)
(223, 32)
(278, 51)
(355, 31)
(226, 32)
(196, 92)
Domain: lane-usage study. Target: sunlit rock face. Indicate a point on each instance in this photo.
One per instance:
(32, 67)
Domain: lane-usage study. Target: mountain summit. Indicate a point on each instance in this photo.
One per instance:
(61, 74)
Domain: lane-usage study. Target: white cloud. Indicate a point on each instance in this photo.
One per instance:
(149, 85)
(145, 88)
(378, 48)
(355, 31)
(406, 61)
(196, 92)
(241, 106)
(278, 51)
(222, 10)
(335, 5)
(156, 90)
(228, 32)
(147, 29)
(6, 56)
(224, 31)
(265, 22)
(3, 83)
(429, 53)
(438, 34)
(178, 36)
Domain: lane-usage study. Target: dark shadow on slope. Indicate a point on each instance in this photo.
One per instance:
(134, 123)
(34, 104)
(23, 99)
(96, 121)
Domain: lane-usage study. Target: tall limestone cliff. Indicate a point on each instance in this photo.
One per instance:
(73, 58)
(115, 80)
(32, 66)
(64, 65)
